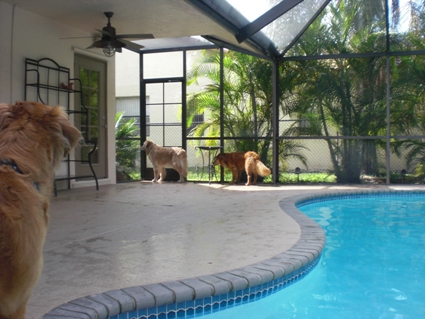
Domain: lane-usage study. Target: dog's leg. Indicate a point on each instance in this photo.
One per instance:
(239, 175)
(163, 173)
(179, 170)
(20, 314)
(248, 170)
(248, 179)
(155, 174)
(255, 177)
(235, 175)
(178, 166)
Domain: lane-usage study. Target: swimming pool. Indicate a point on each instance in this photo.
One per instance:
(309, 298)
(373, 265)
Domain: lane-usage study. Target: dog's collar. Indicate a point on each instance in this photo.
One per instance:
(15, 167)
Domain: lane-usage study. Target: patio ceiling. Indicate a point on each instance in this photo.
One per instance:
(265, 28)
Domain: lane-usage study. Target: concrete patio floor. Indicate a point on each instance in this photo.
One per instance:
(142, 233)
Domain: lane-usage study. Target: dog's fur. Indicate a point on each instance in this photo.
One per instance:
(165, 157)
(237, 162)
(34, 138)
(253, 166)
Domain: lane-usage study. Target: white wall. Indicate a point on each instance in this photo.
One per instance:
(127, 74)
(27, 35)
(6, 13)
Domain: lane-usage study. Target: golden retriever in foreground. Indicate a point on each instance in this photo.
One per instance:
(239, 161)
(165, 157)
(34, 138)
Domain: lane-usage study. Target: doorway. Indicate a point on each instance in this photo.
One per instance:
(164, 117)
(92, 74)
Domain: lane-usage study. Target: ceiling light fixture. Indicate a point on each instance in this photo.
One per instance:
(109, 50)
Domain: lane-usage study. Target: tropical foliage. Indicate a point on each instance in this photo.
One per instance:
(127, 147)
(247, 96)
(347, 96)
(342, 98)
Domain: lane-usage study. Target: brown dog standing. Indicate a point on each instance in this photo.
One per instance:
(34, 138)
(235, 161)
(239, 161)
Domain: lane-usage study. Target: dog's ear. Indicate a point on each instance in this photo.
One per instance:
(69, 134)
(148, 144)
(69, 131)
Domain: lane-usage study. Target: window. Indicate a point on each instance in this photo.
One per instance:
(130, 105)
(197, 119)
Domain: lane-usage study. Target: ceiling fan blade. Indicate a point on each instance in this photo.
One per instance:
(131, 45)
(103, 32)
(110, 39)
(97, 44)
(118, 44)
(75, 38)
(135, 36)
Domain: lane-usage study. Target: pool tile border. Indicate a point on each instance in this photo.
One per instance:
(210, 293)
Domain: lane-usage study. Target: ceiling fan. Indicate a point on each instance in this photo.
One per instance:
(111, 42)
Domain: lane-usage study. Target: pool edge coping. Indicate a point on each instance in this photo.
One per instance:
(302, 255)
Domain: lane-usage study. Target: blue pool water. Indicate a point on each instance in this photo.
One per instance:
(373, 265)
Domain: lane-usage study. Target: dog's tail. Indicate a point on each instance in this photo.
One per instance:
(262, 169)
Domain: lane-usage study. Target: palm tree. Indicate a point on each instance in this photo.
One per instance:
(247, 106)
(348, 96)
(410, 95)
(344, 96)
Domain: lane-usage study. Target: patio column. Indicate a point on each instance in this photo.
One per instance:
(275, 122)
(142, 112)
(221, 110)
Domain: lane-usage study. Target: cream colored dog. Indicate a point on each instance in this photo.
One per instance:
(34, 138)
(166, 157)
(253, 166)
